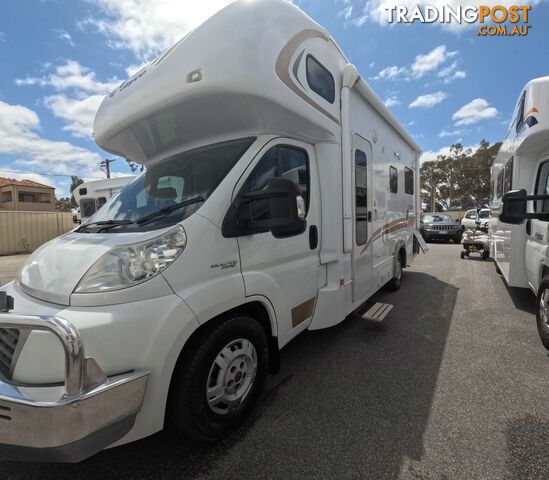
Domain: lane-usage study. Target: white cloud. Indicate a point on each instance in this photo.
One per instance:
(430, 61)
(80, 95)
(431, 155)
(422, 64)
(453, 133)
(451, 73)
(429, 100)
(473, 112)
(64, 35)
(149, 26)
(78, 114)
(392, 101)
(71, 75)
(392, 73)
(20, 138)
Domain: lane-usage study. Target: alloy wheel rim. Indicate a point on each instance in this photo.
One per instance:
(231, 376)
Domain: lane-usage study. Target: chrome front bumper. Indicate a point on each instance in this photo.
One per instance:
(69, 422)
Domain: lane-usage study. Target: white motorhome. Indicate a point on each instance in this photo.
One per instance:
(279, 195)
(520, 185)
(92, 195)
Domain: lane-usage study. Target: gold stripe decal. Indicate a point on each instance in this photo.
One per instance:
(303, 312)
(389, 228)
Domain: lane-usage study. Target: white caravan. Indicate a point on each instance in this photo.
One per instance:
(279, 195)
(91, 196)
(520, 188)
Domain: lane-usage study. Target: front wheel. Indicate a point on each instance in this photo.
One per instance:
(542, 315)
(219, 379)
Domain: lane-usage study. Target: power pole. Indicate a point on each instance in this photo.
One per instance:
(105, 165)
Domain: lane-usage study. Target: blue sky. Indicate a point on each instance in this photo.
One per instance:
(60, 57)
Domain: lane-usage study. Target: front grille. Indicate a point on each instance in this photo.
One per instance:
(443, 227)
(9, 338)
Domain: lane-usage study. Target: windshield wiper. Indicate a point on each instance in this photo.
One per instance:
(105, 224)
(171, 208)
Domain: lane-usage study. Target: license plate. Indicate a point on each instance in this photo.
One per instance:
(442, 232)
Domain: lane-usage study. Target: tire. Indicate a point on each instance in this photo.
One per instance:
(232, 359)
(542, 312)
(462, 254)
(457, 239)
(394, 283)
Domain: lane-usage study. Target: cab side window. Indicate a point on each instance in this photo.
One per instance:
(471, 215)
(281, 161)
(393, 179)
(542, 188)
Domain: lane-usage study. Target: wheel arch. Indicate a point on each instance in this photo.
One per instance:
(258, 308)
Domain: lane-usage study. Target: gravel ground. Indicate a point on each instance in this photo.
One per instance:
(453, 385)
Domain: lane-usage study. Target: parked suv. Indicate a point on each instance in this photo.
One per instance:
(440, 226)
(469, 220)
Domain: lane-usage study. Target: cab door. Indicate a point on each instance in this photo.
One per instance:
(537, 231)
(284, 270)
(363, 281)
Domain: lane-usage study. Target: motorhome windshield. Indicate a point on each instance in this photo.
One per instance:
(170, 190)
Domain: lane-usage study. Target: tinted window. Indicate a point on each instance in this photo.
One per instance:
(542, 188)
(484, 214)
(280, 161)
(393, 179)
(499, 191)
(508, 183)
(320, 79)
(520, 112)
(471, 214)
(87, 207)
(437, 218)
(408, 181)
(183, 177)
(361, 197)
(100, 202)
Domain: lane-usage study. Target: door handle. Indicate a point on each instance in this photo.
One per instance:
(529, 227)
(369, 215)
(313, 237)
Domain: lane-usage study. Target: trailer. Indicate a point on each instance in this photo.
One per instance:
(279, 195)
(519, 195)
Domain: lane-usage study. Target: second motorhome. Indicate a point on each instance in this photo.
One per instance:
(92, 195)
(520, 197)
(279, 195)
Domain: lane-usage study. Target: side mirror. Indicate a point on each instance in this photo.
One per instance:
(279, 208)
(76, 220)
(513, 210)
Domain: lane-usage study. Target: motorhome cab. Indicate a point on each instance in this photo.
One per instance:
(279, 195)
(520, 188)
(91, 196)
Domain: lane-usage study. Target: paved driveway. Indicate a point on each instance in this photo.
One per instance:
(9, 265)
(453, 385)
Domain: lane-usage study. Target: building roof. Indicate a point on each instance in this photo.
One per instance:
(21, 183)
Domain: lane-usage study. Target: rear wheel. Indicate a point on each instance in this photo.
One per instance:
(219, 379)
(462, 254)
(394, 283)
(542, 315)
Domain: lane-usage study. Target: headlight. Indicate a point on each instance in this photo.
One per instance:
(128, 265)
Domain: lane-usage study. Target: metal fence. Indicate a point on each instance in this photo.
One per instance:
(23, 232)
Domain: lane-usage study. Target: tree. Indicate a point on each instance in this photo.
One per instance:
(460, 180)
(63, 204)
(134, 166)
(75, 182)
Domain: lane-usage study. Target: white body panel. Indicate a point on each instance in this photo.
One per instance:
(520, 251)
(252, 84)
